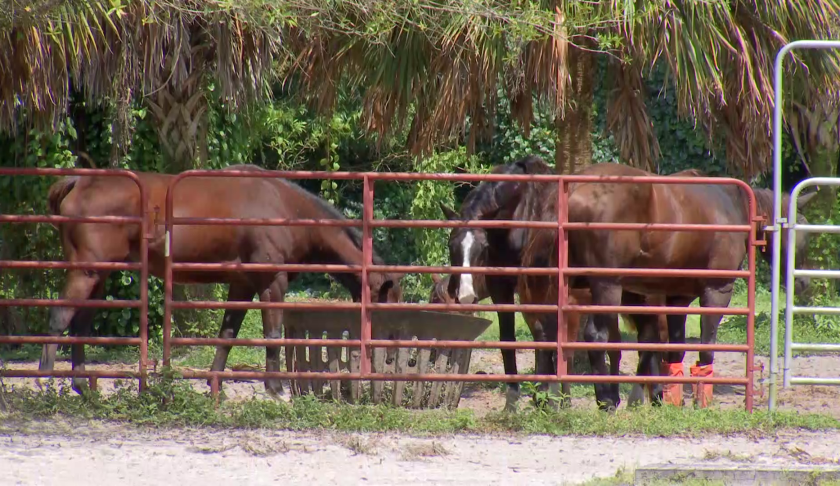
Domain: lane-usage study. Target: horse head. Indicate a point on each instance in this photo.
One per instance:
(467, 248)
(385, 287)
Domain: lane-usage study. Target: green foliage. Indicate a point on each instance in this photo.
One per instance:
(26, 195)
(285, 134)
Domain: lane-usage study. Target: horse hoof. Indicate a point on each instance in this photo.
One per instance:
(636, 397)
(81, 386)
(609, 407)
(274, 389)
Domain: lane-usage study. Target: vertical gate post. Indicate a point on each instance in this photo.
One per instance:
(367, 260)
(562, 264)
(147, 230)
(167, 276)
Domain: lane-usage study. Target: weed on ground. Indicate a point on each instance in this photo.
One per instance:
(171, 402)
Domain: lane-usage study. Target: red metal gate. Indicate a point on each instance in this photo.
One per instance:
(142, 266)
(368, 222)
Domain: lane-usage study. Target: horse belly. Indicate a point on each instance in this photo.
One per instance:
(199, 244)
(662, 286)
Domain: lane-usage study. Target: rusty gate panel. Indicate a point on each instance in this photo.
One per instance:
(364, 341)
(142, 266)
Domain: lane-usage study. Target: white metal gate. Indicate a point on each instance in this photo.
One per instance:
(791, 272)
(780, 222)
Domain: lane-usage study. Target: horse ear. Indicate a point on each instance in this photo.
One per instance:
(803, 201)
(449, 213)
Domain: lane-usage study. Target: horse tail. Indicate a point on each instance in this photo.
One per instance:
(58, 191)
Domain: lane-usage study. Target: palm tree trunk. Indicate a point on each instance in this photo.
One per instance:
(179, 113)
(573, 146)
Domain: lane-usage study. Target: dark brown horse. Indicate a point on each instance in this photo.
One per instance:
(650, 203)
(204, 198)
(496, 247)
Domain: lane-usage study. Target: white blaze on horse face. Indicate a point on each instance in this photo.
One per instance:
(466, 292)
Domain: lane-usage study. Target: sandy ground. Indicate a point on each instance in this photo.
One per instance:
(63, 454)
(45, 454)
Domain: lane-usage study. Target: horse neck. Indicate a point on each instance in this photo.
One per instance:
(338, 246)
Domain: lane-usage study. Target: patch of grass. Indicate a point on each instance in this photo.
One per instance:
(358, 444)
(665, 421)
(420, 450)
(807, 329)
(170, 402)
(250, 356)
(523, 333)
(93, 354)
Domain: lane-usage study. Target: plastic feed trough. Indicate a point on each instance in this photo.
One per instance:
(403, 325)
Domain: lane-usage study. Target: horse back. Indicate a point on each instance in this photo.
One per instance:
(654, 204)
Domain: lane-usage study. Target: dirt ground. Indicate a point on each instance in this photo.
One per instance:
(68, 454)
(804, 399)
(47, 454)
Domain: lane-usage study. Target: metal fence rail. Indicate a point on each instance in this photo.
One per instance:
(368, 222)
(142, 266)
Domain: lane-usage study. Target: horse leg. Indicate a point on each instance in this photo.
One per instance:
(272, 325)
(231, 323)
(501, 292)
(604, 292)
(572, 328)
(672, 365)
(647, 332)
(80, 286)
(712, 297)
(81, 325)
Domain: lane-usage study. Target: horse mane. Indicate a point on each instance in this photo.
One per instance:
(332, 212)
(537, 206)
(58, 191)
(483, 198)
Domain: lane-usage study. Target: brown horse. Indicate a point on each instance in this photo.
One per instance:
(650, 203)
(207, 197)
